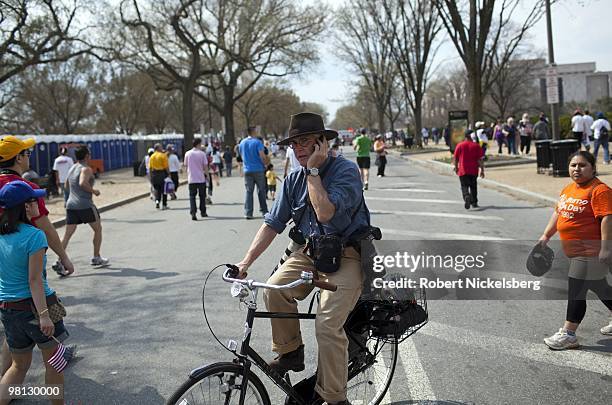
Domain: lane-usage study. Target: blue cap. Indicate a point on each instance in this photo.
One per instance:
(600, 115)
(17, 192)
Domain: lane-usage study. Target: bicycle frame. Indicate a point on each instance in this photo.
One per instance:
(246, 352)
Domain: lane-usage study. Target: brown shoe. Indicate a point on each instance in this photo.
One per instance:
(292, 361)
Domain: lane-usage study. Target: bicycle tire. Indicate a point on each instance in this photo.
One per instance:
(217, 374)
(381, 384)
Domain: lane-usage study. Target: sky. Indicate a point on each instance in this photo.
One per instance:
(582, 32)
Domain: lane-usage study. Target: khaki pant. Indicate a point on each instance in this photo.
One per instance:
(333, 310)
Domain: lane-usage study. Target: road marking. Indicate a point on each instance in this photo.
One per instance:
(583, 360)
(439, 214)
(415, 190)
(415, 376)
(423, 200)
(440, 235)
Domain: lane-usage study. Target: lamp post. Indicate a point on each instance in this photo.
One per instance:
(554, 107)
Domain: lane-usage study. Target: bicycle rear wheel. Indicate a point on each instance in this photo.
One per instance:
(220, 384)
(371, 372)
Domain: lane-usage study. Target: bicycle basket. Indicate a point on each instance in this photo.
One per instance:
(390, 315)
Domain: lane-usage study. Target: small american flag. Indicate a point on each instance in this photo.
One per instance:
(61, 356)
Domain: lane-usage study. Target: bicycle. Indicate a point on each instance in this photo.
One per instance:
(373, 330)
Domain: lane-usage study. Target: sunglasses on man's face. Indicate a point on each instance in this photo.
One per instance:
(26, 152)
(303, 142)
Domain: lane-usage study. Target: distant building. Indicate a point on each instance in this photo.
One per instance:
(578, 82)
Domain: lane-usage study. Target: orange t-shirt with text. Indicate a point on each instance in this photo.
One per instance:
(580, 209)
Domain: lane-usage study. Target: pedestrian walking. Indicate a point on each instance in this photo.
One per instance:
(498, 135)
(583, 218)
(381, 155)
(323, 198)
(578, 128)
(363, 144)
(271, 178)
(540, 129)
(15, 160)
(467, 160)
(174, 165)
(25, 295)
(160, 169)
(526, 131)
(80, 208)
(425, 136)
(291, 162)
(510, 133)
(228, 159)
(252, 152)
(61, 165)
(218, 162)
(601, 133)
(146, 162)
(196, 163)
(435, 133)
(239, 161)
(482, 137)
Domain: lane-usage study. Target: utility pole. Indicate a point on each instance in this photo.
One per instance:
(554, 106)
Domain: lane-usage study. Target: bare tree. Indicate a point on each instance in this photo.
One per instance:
(167, 40)
(481, 29)
(414, 26)
(255, 101)
(362, 43)
(515, 86)
(39, 32)
(257, 38)
(57, 98)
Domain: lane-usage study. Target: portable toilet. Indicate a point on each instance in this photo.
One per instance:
(53, 149)
(123, 149)
(106, 157)
(42, 156)
(131, 152)
(95, 147)
(114, 156)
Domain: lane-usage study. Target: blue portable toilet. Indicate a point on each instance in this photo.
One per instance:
(95, 146)
(53, 151)
(131, 152)
(42, 155)
(112, 147)
(123, 149)
(106, 157)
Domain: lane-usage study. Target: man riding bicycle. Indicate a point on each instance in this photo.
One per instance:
(325, 201)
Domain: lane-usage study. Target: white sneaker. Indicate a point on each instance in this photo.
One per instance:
(99, 261)
(562, 341)
(607, 330)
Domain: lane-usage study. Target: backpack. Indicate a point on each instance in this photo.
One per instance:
(603, 131)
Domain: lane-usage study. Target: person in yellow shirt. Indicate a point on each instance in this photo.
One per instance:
(271, 180)
(159, 169)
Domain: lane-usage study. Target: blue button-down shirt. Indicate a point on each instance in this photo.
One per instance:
(342, 181)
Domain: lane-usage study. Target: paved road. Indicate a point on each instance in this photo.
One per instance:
(140, 329)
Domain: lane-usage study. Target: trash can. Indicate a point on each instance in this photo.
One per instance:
(136, 167)
(543, 155)
(560, 152)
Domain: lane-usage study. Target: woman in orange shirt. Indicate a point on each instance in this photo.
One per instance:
(583, 218)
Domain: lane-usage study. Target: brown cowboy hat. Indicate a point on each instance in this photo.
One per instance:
(307, 124)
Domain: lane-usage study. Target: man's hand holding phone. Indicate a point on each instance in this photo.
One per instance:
(321, 147)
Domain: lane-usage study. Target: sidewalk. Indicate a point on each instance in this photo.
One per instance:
(523, 176)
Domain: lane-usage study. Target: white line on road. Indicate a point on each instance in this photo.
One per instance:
(415, 376)
(583, 360)
(440, 235)
(439, 214)
(419, 200)
(414, 190)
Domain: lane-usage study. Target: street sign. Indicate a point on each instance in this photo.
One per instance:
(552, 85)
(552, 94)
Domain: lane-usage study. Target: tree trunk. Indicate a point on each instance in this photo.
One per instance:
(229, 137)
(475, 96)
(188, 89)
(418, 122)
(381, 120)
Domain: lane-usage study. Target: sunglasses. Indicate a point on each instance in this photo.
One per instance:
(303, 142)
(26, 152)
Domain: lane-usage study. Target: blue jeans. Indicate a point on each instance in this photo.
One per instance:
(22, 331)
(250, 180)
(603, 142)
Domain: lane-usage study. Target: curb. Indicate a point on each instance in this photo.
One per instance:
(446, 169)
(61, 222)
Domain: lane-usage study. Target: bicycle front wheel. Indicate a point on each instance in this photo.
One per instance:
(220, 384)
(371, 372)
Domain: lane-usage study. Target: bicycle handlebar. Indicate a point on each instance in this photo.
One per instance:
(231, 272)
